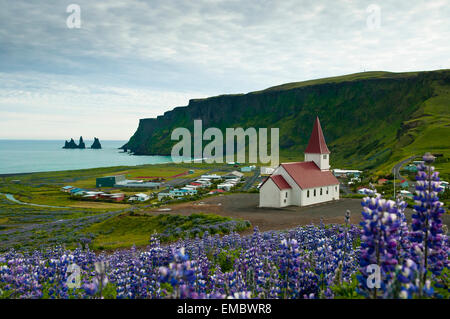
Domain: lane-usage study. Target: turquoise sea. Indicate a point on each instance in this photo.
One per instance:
(26, 156)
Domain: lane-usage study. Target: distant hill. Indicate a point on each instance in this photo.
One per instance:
(370, 120)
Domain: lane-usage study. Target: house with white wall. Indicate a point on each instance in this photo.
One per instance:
(302, 183)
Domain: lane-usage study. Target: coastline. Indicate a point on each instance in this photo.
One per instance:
(21, 157)
(80, 169)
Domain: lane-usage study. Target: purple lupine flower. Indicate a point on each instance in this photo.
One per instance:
(429, 247)
(407, 279)
(379, 239)
(404, 243)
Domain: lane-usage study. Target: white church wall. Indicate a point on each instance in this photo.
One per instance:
(269, 195)
(333, 194)
(295, 191)
(285, 197)
(322, 160)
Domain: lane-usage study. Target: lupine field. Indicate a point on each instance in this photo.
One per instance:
(383, 257)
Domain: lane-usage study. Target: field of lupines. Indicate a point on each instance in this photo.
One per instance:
(382, 258)
(33, 227)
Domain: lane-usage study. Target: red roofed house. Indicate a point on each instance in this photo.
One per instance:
(302, 183)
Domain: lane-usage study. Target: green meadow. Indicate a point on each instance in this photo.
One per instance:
(104, 225)
(130, 229)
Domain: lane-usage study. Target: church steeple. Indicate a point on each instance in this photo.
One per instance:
(317, 149)
(317, 143)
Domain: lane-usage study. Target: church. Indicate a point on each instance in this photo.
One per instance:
(302, 183)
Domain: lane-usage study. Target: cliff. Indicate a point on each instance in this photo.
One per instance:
(369, 119)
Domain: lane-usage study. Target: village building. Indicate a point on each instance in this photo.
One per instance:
(233, 175)
(77, 191)
(346, 172)
(267, 170)
(404, 183)
(109, 181)
(67, 189)
(141, 197)
(247, 169)
(302, 183)
(406, 193)
(120, 181)
(212, 177)
(177, 193)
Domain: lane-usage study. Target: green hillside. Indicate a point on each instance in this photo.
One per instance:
(370, 120)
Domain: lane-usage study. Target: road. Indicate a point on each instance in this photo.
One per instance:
(251, 180)
(13, 199)
(396, 169)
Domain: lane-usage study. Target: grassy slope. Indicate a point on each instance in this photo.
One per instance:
(340, 79)
(371, 120)
(135, 229)
(428, 130)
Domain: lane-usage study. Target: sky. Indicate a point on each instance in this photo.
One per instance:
(132, 59)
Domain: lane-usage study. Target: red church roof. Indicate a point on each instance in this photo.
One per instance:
(317, 143)
(309, 175)
(280, 182)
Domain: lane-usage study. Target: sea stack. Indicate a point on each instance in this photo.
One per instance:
(81, 143)
(96, 145)
(70, 144)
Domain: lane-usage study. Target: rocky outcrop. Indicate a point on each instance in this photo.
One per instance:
(72, 145)
(96, 145)
(81, 143)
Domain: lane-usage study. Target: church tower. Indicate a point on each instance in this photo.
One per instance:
(317, 150)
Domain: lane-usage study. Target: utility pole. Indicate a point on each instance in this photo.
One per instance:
(395, 173)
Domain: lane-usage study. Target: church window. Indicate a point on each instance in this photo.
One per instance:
(286, 194)
(335, 188)
(307, 194)
(327, 190)
(314, 193)
(321, 192)
(324, 156)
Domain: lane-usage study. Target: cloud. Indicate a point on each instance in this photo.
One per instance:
(54, 109)
(134, 58)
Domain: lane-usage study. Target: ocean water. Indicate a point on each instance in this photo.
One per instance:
(26, 156)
